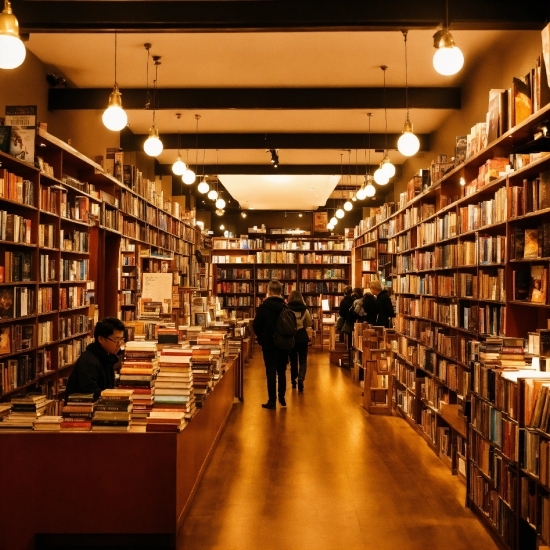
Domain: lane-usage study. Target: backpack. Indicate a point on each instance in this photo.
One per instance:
(301, 331)
(285, 329)
(357, 308)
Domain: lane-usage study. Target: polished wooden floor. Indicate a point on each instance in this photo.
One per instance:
(322, 474)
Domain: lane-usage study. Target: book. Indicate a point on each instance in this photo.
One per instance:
(521, 282)
(6, 303)
(537, 287)
(531, 247)
(5, 134)
(5, 340)
(521, 96)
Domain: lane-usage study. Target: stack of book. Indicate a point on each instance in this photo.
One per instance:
(5, 409)
(113, 411)
(138, 373)
(503, 352)
(202, 363)
(166, 421)
(217, 343)
(24, 411)
(78, 412)
(174, 389)
(48, 423)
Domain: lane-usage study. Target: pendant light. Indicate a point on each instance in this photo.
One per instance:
(333, 221)
(380, 176)
(12, 49)
(408, 143)
(189, 176)
(220, 203)
(387, 166)
(153, 146)
(212, 194)
(348, 205)
(114, 117)
(448, 58)
(179, 167)
(368, 189)
(203, 186)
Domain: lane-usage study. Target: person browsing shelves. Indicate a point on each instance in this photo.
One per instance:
(94, 370)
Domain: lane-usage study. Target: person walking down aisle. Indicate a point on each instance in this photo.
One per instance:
(94, 370)
(384, 307)
(298, 354)
(369, 306)
(275, 359)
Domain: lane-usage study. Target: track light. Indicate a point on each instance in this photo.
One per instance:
(12, 49)
(274, 157)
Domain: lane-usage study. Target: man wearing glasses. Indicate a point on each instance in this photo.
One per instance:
(94, 369)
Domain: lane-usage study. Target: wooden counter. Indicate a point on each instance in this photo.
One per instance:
(106, 483)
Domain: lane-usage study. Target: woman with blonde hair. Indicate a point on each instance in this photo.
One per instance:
(298, 354)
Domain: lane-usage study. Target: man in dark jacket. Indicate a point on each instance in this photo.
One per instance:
(384, 306)
(94, 371)
(275, 359)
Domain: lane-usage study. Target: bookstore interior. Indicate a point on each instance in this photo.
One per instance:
(174, 214)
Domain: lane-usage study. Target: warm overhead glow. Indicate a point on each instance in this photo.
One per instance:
(243, 214)
(330, 227)
(203, 187)
(220, 212)
(115, 117)
(153, 146)
(12, 49)
(380, 177)
(333, 221)
(179, 167)
(348, 206)
(188, 177)
(462, 181)
(388, 168)
(448, 58)
(408, 143)
(212, 195)
(222, 227)
(340, 213)
(220, 203)
(370, 190)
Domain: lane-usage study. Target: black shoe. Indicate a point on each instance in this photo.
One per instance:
(282, 401)
(269, 405)
(293, 382)
(300, 384)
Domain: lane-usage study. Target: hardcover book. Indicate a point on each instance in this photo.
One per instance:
(531, 249)
(523, 105)
(521, 284)
(5, 134)
(6, 303)
(537, 288)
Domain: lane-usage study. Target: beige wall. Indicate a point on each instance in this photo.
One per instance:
(514, 55)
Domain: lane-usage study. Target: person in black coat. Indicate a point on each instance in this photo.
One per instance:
(384, 306)
(369, 305)
(275, 359)
(298, 354)
(94, 370)
(346, 303)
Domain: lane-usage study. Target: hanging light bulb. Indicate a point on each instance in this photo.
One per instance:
(153, 146)
(387, 167)
(222, 227)
(348, 206)
(220, 212)
(362, 193)
(380, 177)
(370, 190)
(114, 117)
(333, 220)
(448, 59)
(354, 199)
(179, 167)
(203, 187)
(220, 204)
(340, 213)
(243, 214)
(408, 143)
(188, 177)
(212, 194)
(12, 49)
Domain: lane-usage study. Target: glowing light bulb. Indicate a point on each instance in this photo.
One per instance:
(153, 146)
(388, 168)
(348, 206)
(188, 177)
(333, 221)
(115, 117)
(212, 194)
(339, 213)
(408, 143)
(179, 167)
(370, 190)
(448, 58)
(380, 177)
(220, 203)
(203, 187)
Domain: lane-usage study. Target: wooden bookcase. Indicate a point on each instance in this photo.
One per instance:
(319, 268)
(461, 274)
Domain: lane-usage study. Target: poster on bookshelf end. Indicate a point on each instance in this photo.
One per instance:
(22, 120)
(320, 221)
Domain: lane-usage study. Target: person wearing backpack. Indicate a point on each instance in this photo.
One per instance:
(298, 354)
(275, 356)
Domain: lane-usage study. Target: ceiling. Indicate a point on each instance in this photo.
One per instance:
(317, 61)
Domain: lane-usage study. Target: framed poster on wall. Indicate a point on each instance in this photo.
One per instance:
(320, 220)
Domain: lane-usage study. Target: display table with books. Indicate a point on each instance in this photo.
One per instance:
(106, 483)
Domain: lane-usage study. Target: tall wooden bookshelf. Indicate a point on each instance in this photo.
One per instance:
(462, 275)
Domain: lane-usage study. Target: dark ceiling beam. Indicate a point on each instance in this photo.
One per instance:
(267, 169)
(260, 98)
(254, 15)
(134, 142)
